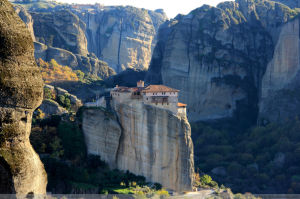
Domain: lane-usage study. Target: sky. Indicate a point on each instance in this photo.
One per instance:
(171, 7)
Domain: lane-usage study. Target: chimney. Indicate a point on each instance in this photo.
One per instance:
(140, 84)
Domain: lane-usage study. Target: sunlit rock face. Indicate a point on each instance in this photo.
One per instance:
(145, 140)
(88, 65)
(280, 85)
(217, 57)
(26, 18)
(21, 170)
(61, 29)
(122, 36)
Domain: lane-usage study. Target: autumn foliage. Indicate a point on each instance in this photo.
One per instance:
(53, 72)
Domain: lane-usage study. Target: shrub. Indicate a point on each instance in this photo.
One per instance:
(48, 94)
(206, 179)
(80, 75)
(157, 186)
(54, 72)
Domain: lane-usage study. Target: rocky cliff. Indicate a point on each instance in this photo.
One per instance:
(280, 85)
(87, 64)
(145, 140)
(21, 170)
(61, 29)
(26, 18)
(122, 36)
(217, 57)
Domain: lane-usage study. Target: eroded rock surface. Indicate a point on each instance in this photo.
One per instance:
(21, 170)
(217, 57)
(102, 134)
(26, 18)
(89, 65)
(61, 29)
(280, 85)
(145, 140)
(121, 36)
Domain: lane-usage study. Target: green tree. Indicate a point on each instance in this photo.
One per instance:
(61, 100)
(57, 149)
(80, 75)
(72, 141)
(47, 93)
(67, 103)
(206, 179)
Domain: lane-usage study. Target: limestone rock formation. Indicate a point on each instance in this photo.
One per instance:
(280, 85)
(102, 134)
(61, 29)
(89, 65)
(21, 87)
(121, 36)
(50, 107)
(145, 140)
(26, 18)
(218, 56)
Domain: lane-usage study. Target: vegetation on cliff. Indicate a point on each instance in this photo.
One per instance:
(52, 71)
(60, 143)
(217, 57)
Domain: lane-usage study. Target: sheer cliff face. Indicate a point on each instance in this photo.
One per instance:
(217, 56)
(21, 170)
(122, 36)
(61, 29)
(26, 18)
(280, 84)
(145, 140)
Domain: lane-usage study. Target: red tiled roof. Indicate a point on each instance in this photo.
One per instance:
(181, 104)
(158, 88)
